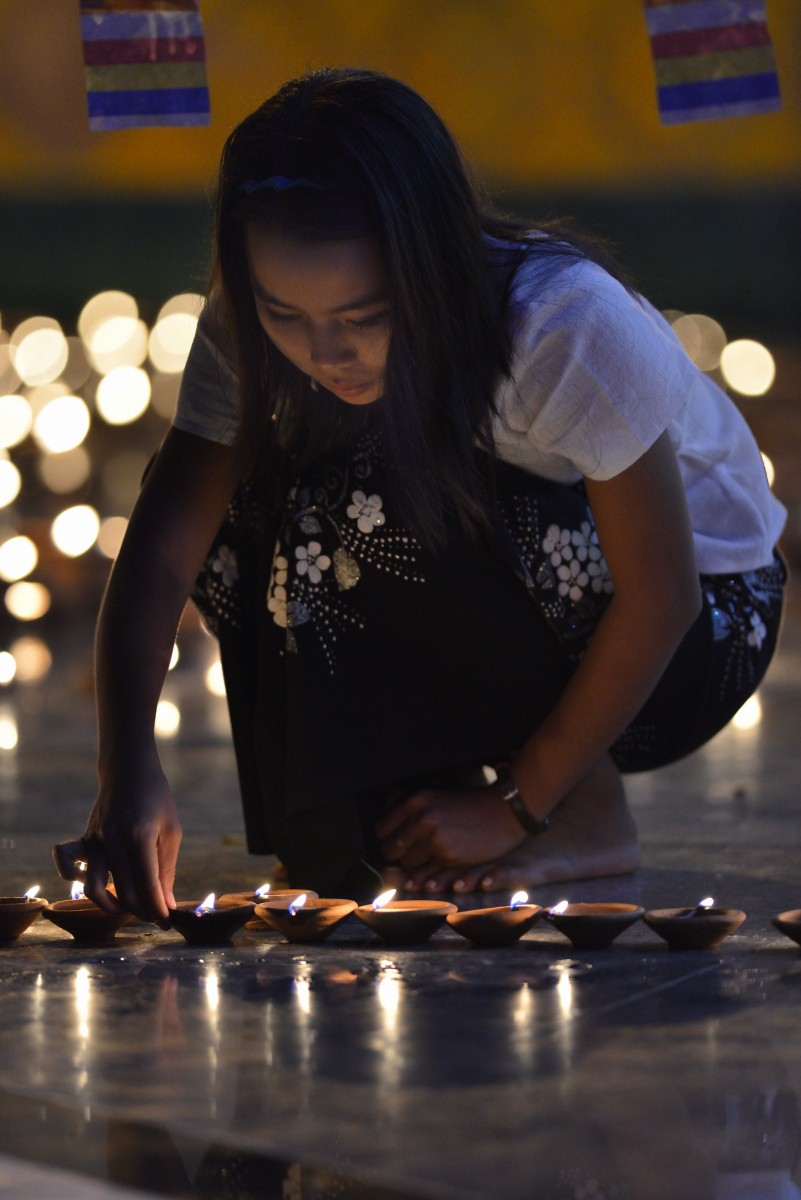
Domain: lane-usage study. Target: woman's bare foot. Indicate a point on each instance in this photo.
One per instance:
(592, 835)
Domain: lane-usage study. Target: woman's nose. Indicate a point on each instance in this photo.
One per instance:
(330, 349)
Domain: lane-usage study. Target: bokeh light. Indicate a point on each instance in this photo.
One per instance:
(10, 481)
(75, 530)
(16, 419)
(8, 667)
(174, 331)
(104, 307)
(123, 395)
(748, 367)
(39, 397)
(176, 654)
(27, 601)
(62, 424)
(64, 473)
(9, 379)
(39, 350)
(749, 715)
(703, 338)
(120, 342)
(770, 470)
(78, 368)
(18, 557)
(214, 679)
(32, 657)
(168, 719)
(112, 531)
(8, 730)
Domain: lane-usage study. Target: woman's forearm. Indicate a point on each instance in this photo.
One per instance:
(623, 663)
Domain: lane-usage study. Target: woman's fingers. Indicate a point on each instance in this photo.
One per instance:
(67, 855)
(143, 861)
(96, 882)
(168, 857)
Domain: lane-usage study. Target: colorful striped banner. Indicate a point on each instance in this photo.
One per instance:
(145, 63)
(712, 59)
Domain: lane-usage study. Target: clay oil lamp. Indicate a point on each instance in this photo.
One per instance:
(306, 918)
(83, 919)
(206, 925)
(789, 923)
(701, 928)
(404, 922)
(18, 912)
(592, 926)
(502, 926)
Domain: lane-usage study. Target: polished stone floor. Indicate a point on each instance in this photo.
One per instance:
(356, 1070)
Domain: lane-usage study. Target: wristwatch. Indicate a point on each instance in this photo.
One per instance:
(510, 793)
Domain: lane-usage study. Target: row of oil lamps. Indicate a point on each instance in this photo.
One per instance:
(305, 917)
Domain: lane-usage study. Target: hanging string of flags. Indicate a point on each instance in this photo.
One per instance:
(713, 58)
(145, 63)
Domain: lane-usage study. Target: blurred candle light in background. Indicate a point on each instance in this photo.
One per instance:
(769, 469)
(27, 601)
(16, 419)
(173, 333)
(32, 657)
(8, 729)
(168, 719)
(78, 367)
(62, 424)
(123, 395)
(749, 715)
(703, 338)
(39, 350)
(748, 367)
(75, 530)
(10, 480)
(18, 557)
(214, 679)
(176, 654)
(9, 379)
(66, 472)
(112, 531)
(8, 667)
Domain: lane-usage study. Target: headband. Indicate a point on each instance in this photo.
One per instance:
(278, 183)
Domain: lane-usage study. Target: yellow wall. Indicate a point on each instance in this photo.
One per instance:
(539, 92)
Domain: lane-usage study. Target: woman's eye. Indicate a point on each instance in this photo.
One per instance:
(281, 317)
(376, 319)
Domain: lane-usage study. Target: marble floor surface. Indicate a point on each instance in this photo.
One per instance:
(356, 1069)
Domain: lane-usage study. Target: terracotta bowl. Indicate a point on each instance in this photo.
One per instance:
(84, 920)
(16, 914)
(406, 921)
(594, 926)
(682, 931)
(235, 899)
(495, 926)
(789, 923)
(213, 928)
(312, 923)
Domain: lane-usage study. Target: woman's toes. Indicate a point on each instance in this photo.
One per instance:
(442, 881)
(468, 880)
(494, 880)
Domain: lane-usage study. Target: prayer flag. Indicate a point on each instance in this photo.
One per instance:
(145, 63)
(712, 58)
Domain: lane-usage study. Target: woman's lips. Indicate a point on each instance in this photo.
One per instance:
(349, 389)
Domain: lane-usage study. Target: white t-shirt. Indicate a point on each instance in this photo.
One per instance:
(597, 376)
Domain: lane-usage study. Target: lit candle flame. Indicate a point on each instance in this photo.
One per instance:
(701, 907)
(206, 906)
(707, 903)
(76, 891)
(518, 899)
(297, 903)
(558, 908)
(32, 893)
(384, 898)
(263, 891)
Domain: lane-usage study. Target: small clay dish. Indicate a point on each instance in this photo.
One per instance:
(789, 923)
(311, 923)
(84, 920)
(214, 927)
(683, 931)
(406, 922)
(495, 926)
(594, 926)
(16, 914)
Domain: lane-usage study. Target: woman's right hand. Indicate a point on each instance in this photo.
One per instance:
(133, 833)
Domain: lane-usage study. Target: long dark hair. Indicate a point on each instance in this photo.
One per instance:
(386, 165)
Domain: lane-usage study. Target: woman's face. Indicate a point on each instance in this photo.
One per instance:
(325, 305)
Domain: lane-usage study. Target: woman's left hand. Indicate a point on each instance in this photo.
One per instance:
(453, 827)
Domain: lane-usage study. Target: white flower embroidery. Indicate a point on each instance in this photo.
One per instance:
(225, 565)
(757, 635)
(366, 511)
(276, 596)
(577, 559)
(311, 562)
